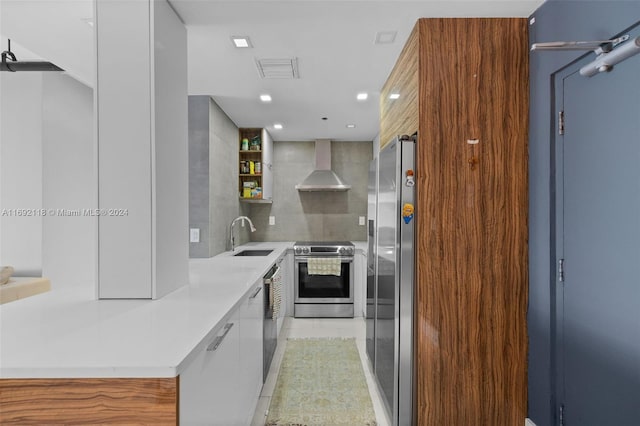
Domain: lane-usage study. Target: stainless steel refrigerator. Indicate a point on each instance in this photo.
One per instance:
(390, 277)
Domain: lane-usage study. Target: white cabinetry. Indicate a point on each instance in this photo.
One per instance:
(250, 383)
(359, 284)
(209, 392)
(286, 265)
(288, 281)
(222, 384)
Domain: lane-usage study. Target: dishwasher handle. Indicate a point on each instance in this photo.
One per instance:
(268, 279)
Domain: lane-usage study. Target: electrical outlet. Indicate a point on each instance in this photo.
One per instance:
(272, 220)
(194, 235)
(361, 220)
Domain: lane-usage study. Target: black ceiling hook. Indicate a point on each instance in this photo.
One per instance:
(10, 55)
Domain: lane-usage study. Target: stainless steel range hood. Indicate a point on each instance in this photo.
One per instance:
(323, 178)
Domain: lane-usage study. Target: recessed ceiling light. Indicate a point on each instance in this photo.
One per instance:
(241, 41)
(362, 96)
(351, 126)
(385, 37)
(394, 96)
(265, 98)
(277, 126)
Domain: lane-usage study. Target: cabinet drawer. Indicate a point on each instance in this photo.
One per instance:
(209, 393)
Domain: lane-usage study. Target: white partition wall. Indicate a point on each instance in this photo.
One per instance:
(141, 116)
(171, 136)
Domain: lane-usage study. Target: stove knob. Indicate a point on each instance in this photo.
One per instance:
(350, 250)
(341, 250)
(305, 250)
(298, 250)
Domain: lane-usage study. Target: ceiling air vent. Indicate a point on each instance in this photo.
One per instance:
(278, 68)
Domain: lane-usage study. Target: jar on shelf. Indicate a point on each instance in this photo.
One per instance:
(258, 167)
(245, 144)
(255, 143)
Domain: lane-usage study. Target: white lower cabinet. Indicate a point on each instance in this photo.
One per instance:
(286, 308)
(288, 283)
(359, 284)
(222, 384)
(209, 393)
(250, 383)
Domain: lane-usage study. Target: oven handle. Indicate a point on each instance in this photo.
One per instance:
(343, 259)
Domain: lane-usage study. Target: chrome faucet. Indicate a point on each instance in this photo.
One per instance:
(238, 219)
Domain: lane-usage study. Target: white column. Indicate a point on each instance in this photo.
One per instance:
(141, 118)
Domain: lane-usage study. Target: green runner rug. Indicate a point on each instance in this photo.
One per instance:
(321, 382)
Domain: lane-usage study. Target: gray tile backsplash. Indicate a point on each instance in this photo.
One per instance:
(320, 216)
(213, 177)
(213, 187)
(199, 173)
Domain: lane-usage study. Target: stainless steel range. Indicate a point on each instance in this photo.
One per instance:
(323, 279)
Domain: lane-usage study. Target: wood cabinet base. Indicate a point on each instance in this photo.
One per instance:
(89, 401)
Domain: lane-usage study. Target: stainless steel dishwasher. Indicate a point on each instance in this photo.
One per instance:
(272, 288)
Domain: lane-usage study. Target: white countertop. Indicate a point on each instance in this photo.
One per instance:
(68, 333)
(362, 246)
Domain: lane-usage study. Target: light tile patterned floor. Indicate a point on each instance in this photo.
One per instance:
(319, 327)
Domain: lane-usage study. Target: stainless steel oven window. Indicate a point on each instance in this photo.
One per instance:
(347, 273)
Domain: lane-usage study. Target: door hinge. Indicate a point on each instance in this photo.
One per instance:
(561, 123)
(561, 270)
(562, 415)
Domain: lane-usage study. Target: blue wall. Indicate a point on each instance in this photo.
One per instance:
(567, 20)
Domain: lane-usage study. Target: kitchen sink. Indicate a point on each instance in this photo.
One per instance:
(254, 253)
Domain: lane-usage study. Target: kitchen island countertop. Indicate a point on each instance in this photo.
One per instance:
(67, 333)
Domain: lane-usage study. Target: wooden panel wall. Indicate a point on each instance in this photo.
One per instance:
(471, 296)
(152, 401)
(400, 116)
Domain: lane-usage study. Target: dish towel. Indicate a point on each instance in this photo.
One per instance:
(275, 293)
(324, 266)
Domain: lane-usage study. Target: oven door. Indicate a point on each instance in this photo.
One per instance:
(323, 288)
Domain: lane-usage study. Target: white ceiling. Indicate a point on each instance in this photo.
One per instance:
(332, 39)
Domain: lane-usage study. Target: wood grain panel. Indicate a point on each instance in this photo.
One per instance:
(471, 295)
(152, 401)
(400, 116)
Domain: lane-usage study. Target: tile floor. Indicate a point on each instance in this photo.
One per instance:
(319, 327)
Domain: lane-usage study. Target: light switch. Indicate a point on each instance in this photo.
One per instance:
(194, 235)
(272, 220)
(361, 220)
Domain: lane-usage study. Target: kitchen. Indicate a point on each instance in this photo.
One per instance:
(67, 245)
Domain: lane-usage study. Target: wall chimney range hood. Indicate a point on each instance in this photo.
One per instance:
(323, 178)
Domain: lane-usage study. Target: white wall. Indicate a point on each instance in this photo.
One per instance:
(69, 243)
(46, 162)
(21, 170)
(171, 150)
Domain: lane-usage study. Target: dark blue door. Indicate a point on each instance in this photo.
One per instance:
(599, 204)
